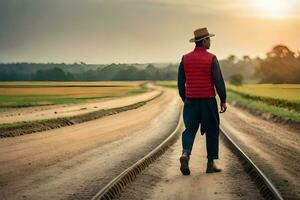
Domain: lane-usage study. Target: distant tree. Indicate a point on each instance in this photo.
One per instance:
(232, 58)
(236, 79)
(280, 51)
(108, 72)
(129, 74)
(245, 66)
(280, 66)
(55, 74)
(151, 71)
(246, 58)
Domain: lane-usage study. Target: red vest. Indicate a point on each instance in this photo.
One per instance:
(197, 69)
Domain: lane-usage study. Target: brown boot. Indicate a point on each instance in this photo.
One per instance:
(184, 165)
(211, 167)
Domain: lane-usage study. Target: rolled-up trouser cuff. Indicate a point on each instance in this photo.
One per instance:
(188, 152)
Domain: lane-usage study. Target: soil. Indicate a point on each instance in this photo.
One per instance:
(287, 122)
(272, 146)
(75, 162)
(163, 179)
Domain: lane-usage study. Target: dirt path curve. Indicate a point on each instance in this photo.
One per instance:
(274, 148)
(64, 110)
(163, 180)
(76, 161)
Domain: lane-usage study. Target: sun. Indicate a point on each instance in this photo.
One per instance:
(273, 8)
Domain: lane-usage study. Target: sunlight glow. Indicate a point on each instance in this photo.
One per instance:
(273, 8)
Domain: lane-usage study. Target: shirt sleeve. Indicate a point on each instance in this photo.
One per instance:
(218, 79)
(181, 81)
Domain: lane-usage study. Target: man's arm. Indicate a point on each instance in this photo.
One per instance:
(219, 82)
(181, 81)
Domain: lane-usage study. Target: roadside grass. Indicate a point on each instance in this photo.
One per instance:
(263, 107)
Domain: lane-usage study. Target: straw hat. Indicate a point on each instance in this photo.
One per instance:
(201, 34)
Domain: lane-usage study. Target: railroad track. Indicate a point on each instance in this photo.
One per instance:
(265, 186)
(114, 188)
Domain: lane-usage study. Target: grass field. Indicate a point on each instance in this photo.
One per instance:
(290, 92)
(279, 99)
(24, 94)
(280, 95)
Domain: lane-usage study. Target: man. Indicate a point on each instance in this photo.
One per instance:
(199, 74)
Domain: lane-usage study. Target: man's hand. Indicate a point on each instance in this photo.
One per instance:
(223, 107)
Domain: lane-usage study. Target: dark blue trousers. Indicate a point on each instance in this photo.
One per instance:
(202, 112)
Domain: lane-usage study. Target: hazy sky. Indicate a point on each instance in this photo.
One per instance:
(106, 31)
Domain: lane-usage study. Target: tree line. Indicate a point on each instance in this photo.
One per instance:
(280, 65)
(112, 72)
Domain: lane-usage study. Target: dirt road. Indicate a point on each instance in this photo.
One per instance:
(64, 110)
(274, 148)
(163, 180)
(76, 161)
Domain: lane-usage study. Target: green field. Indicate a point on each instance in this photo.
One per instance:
(281, 100)
(280, 95)
(26, 94)
(290, 92)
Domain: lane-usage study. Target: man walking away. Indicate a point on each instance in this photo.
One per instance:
(199, 74)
